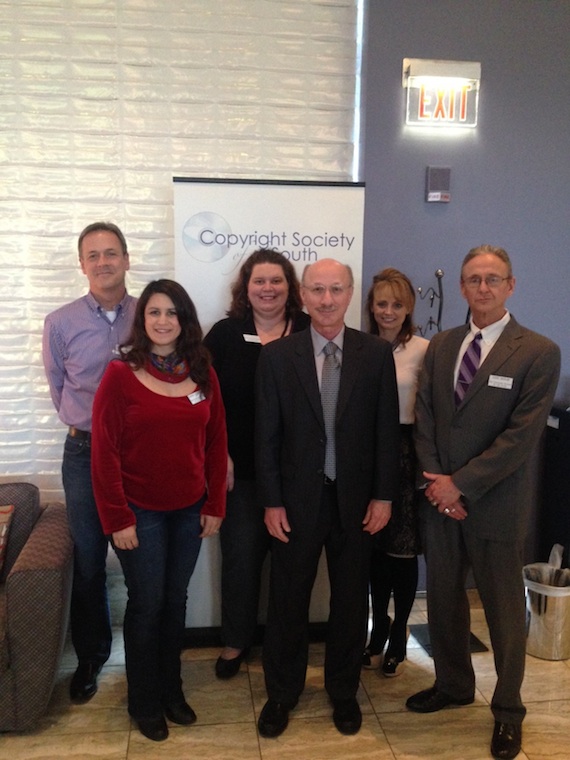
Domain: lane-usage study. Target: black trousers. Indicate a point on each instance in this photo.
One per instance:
(293, 571)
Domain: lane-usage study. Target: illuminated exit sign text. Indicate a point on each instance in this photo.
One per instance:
(441, 93)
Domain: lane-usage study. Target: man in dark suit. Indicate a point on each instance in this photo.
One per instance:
(315, 496)
(478, 420)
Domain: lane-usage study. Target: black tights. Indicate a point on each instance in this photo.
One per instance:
(387, 574)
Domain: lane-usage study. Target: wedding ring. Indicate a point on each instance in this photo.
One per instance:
(446, 510)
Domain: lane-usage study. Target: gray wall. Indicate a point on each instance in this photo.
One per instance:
(510, 177)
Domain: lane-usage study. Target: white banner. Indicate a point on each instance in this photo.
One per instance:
(218, 223)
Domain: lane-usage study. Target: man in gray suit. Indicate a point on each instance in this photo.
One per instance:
(484, 396)
(315, 496)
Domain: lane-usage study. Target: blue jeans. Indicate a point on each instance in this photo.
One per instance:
(244, 541)
(90, 619)
(157, 574)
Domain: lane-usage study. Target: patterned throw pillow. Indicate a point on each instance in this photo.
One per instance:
(5, 517)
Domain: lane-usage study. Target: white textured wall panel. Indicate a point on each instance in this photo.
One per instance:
(101, 103)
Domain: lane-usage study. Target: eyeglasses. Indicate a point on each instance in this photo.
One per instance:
(319, 290)
(491, 281)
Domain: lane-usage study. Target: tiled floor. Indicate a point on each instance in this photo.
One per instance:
(227, 713)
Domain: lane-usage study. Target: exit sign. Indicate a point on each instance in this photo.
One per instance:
(441, 93)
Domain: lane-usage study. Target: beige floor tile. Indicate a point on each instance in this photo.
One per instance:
(214, 700)
(222, 742)
(228, 710)
(107, 711)
(98, 745)
(462, 733)
(544, 680)
(202, 653)
(546, 730)
(390, 694)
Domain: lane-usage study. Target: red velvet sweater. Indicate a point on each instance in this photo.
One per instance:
(155, 451)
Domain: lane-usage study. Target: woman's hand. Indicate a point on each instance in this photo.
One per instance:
(210, 525)
(126, 538)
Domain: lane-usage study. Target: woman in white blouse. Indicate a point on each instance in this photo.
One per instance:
(394, 564)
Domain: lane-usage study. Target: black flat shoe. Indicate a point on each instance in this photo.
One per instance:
(229, 668)
(392, 667)
(347, 716)
(180, 713)
(154, 729)
(84, 682)
(371, 661)
(506, 741)
(432, 700)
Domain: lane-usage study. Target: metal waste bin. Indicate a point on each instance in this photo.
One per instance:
(547, 619)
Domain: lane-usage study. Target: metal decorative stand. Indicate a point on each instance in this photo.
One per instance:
(432, 294)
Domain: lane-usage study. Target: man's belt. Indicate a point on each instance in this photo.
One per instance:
(82, 435)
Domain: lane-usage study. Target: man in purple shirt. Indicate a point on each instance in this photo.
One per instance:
(79, 340)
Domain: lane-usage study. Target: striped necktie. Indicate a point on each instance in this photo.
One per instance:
(468, 367)
(330, 382)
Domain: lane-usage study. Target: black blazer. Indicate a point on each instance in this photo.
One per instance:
(290, 431)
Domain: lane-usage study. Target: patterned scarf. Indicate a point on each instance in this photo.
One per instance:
(170, 369)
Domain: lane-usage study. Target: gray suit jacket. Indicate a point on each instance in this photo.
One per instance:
(290, 431)
(486, 444)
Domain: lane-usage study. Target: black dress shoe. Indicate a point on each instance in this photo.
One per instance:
(154, 729)
(84, 682)
(347, 716)
(181, 713)
(506, 741)
(274, 718)
(432, 700)
(229, 668)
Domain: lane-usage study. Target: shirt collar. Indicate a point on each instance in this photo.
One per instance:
(490, 333)
(96, 306)
(319, 341)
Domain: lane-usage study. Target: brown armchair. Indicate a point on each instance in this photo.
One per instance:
(35, 593)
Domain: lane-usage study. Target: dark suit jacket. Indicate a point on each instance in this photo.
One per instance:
(290, 431)
(486, 444)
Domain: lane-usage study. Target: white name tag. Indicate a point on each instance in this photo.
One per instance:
(196, 397)
(251, 338)
(498, 381)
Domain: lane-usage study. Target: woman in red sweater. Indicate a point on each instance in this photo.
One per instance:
(159, 475)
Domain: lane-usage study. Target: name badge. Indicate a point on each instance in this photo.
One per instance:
(498, 381)
(196, 397)
(251, 338)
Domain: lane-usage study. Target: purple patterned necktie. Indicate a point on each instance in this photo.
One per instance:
(467, 369)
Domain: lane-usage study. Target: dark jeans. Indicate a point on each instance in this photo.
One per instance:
(157, 574)
(90, 620)
(244, 541)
